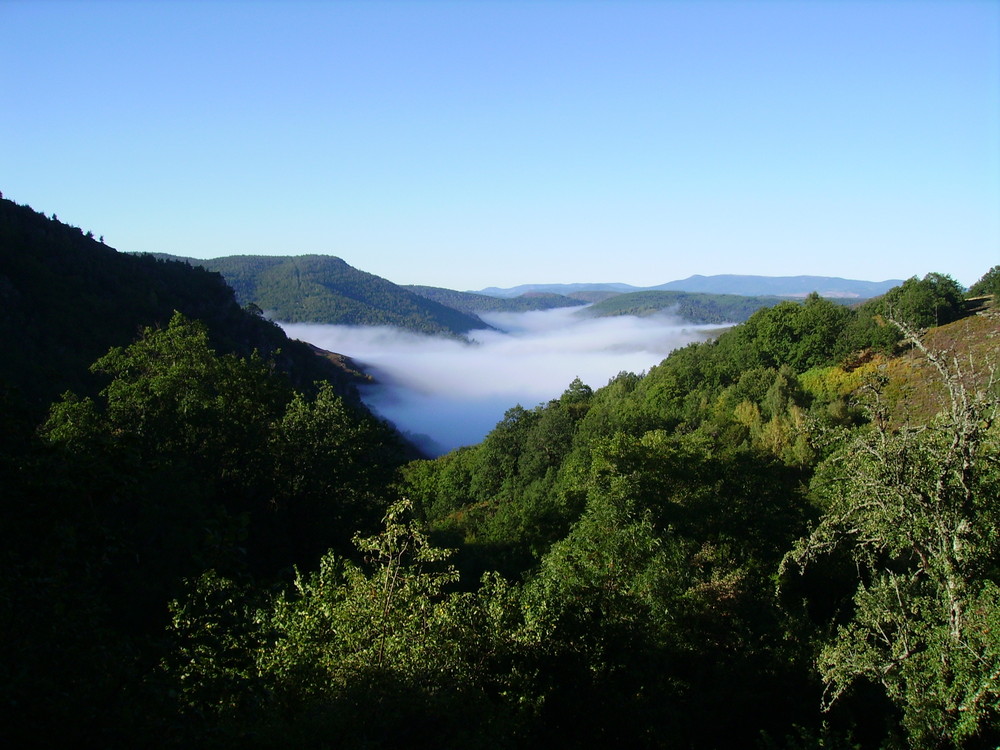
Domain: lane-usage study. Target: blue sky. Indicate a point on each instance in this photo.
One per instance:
(474, 144)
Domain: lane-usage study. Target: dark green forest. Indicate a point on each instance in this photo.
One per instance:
(785, 537)
(65, 298)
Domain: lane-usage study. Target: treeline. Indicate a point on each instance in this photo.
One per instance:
(769, 540)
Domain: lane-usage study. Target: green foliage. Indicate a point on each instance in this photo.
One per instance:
(798, 335)
(652, 599)
(511, 496)
(476, 303)
(920, 303)
(988, 284)
(364, 652)
(934, 300)
(330, 465)
(915, 510)
(689, 306)
(173, 394)
(325, 289)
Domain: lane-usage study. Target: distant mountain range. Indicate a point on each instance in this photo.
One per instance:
(325, 289)
(750, 286)
(473, 303)
(564, 289)
(782, 286)
(695, 307)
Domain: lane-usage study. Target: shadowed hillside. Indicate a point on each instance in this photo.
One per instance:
(65, 298)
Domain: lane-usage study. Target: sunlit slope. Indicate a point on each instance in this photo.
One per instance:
(911, 387)
(325, 289)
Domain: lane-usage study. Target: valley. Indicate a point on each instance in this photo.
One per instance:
(627, 525)
(444, 393)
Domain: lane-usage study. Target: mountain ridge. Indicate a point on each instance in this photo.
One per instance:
(474, 303)
(326, 289)
(741, 284)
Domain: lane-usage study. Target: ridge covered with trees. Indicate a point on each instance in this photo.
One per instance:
(471, 302)
(692, 307)
(325, 289)
(781, 538)
(65, 298)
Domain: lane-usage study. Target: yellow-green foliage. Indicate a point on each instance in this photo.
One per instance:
(747, 414)
(830, 383)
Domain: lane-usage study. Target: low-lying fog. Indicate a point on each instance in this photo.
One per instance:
(445, 393)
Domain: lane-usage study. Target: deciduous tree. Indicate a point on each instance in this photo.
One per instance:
(916, 509)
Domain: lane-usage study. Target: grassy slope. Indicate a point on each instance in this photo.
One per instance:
(914, 391)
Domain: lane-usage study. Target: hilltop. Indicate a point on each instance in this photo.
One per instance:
(325, 289)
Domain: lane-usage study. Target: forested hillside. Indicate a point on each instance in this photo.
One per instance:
(695, 308)
(476, 303)
(781, 538)
(151, 430)
(65, 298)
(325, 289)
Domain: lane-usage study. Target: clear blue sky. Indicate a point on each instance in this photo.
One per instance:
(470, 144)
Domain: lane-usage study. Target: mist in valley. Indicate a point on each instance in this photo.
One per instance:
(445, 393)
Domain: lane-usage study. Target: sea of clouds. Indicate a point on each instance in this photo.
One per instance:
(445, 393)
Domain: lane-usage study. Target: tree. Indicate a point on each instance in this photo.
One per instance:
(169, 462)
(916, 510)
(371, 653)
(988, 284)
(331, 462)
(934, 300)
(798, 335)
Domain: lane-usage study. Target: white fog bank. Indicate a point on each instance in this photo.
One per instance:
(446, 393)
